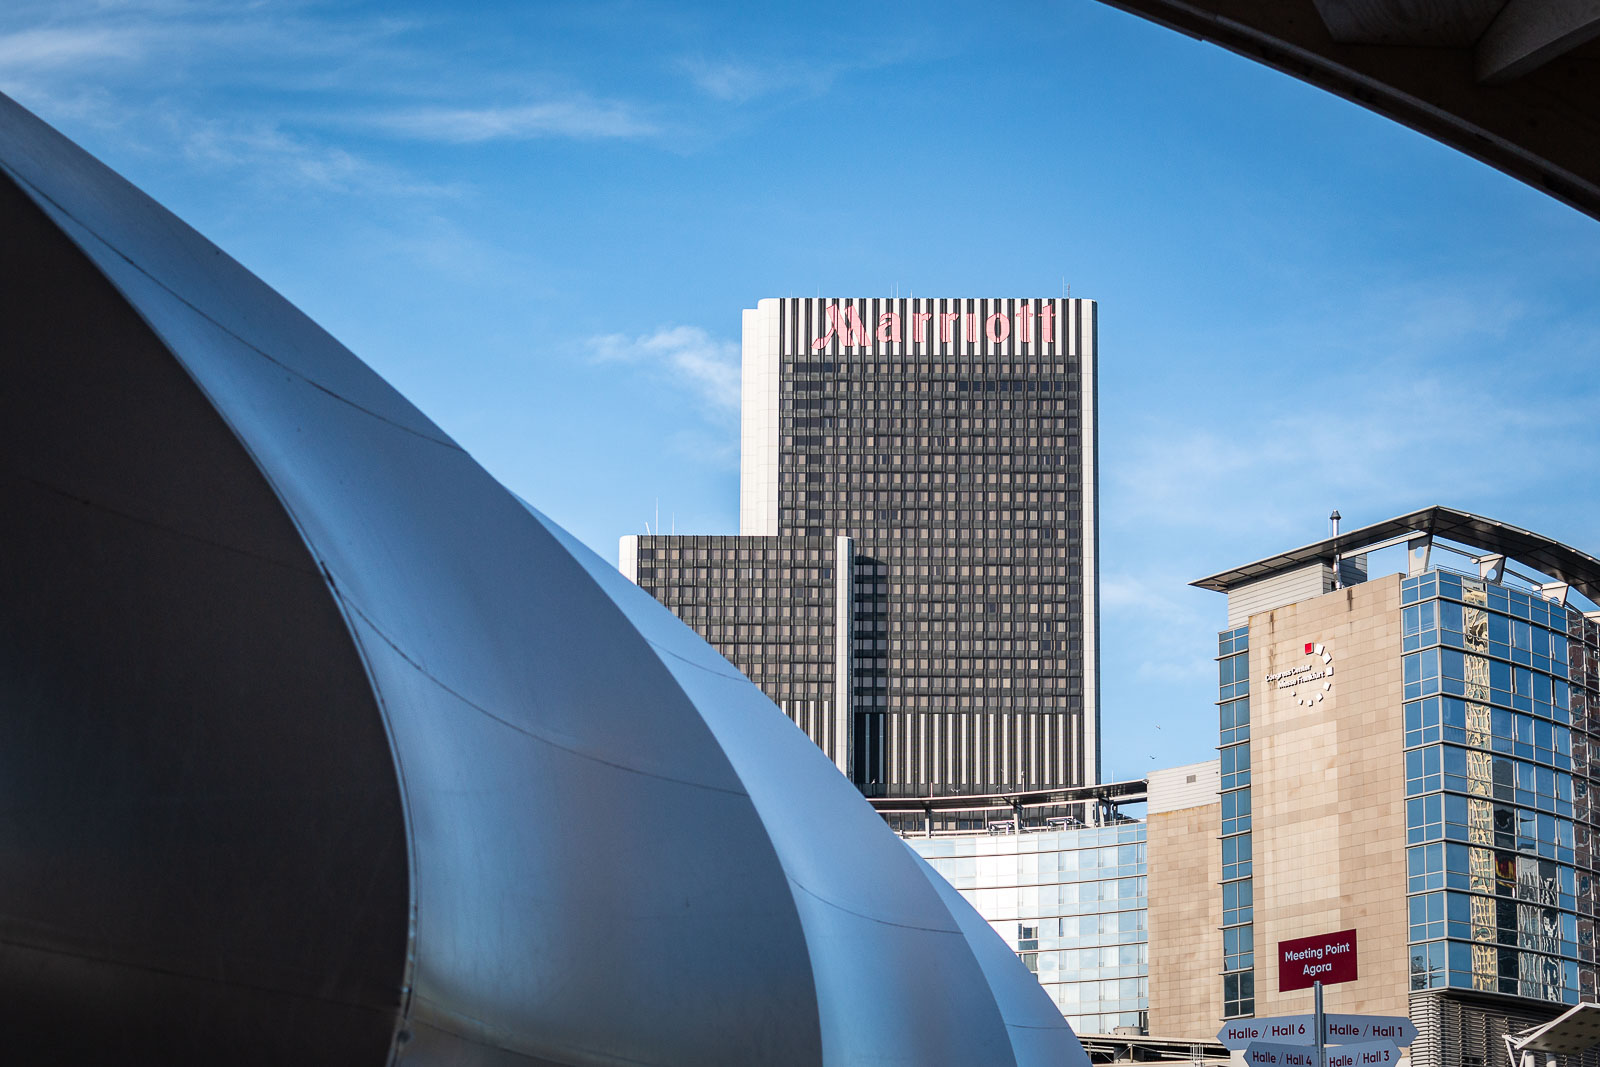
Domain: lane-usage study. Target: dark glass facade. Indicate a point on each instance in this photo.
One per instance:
(769, 605)
(962, 468)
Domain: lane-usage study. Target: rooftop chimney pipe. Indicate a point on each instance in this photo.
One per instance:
(1338, 580)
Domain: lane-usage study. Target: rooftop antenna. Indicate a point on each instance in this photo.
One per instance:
(1338, 582)
(658, 514)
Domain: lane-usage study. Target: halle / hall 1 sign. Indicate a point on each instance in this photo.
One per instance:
(1348, 1032)
(1325, 958)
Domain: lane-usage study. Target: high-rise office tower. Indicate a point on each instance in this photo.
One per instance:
(915, 580)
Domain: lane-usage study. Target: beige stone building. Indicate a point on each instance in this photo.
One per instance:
(1328, 791)
(1406, 757)
(1184, 868)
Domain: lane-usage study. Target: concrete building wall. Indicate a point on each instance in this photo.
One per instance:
(1329, 793)
(758, 422)
(1311, 580)
(1189, 786)
(1184, 866)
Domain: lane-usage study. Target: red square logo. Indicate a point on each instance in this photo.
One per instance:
(1309, 645)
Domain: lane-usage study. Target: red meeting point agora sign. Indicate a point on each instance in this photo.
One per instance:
(1325, 958)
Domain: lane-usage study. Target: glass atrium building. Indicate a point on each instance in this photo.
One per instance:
(1073, 903)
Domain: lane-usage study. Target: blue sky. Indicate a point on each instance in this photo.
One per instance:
(540, 222)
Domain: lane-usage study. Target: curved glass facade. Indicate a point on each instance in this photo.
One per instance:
(1072, 903)
(1498, 684)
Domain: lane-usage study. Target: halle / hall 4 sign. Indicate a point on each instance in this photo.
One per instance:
(1325, 958)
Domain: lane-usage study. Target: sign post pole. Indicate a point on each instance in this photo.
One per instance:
(1322, 1059)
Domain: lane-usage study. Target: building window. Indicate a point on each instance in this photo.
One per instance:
(1418, 625)
(1236, 811)
(1236, 767)
(1236, 857)
(1237, 903)
(1422, 771)
(1235, 721)
(1422, 722)
(1427, 917)
(1028, 946)
(1239, 995)
(1238, 948)
(1233, 676)
(1428, 965)
(1425, 868)
(1424, 819)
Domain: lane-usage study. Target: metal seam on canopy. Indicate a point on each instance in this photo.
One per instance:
(39, 194)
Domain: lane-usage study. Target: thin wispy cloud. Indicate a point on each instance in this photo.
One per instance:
(165, 42)
(688, 355)
(716, 449)
(273, 156)
(1158, 602)
(738, 82)
(50, 48)
(1432, 440)
(1406, 399)
(578, 118)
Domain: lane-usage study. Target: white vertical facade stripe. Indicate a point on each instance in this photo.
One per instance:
(1087, 312)
(891, 755)
(628, 557)
(844, 569)
(758, 419)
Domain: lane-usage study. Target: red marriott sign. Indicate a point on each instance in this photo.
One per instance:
(846, 325)
(1034, 328)
(1326, 958)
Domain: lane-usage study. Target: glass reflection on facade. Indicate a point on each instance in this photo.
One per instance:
(1498, 687)
(1072, 903)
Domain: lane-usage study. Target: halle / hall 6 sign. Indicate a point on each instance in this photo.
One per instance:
(1325, 958)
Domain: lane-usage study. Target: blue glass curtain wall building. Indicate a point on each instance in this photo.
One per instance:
(1072, 903)
(1498, 689)
(1238, 931)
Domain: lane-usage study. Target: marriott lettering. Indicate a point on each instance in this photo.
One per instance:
(944, 327)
